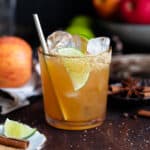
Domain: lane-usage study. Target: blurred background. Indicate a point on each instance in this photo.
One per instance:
(53, 14)
(101, 17)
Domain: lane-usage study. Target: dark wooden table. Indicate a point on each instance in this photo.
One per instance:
(117, 133)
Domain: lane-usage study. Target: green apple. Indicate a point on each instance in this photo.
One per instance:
(83, 21)
(87, 32)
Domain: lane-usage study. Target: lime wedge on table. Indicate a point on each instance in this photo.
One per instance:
(14, 129)
(77, 66)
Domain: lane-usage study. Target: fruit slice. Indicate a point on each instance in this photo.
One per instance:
(76, 65)
(14, 129)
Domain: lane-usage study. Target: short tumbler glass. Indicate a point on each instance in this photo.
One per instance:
(75, 89)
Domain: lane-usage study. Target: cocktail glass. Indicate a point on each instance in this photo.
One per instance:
(75, 88)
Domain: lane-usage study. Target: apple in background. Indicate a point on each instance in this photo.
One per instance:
(135, 11)
(106, 8)
(15, 62)
(81, 25)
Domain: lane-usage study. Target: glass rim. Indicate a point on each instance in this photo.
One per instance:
(85, 56)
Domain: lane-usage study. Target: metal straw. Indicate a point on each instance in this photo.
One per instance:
(40, 33)
(45, 49)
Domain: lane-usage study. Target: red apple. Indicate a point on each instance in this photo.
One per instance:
(106, 8)
(15, 62)
(135, 11)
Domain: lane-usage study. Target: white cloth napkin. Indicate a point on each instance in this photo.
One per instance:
(19, 96)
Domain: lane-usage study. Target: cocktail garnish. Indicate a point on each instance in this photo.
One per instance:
(77, 70)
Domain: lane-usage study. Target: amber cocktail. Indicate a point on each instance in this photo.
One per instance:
(75, 88)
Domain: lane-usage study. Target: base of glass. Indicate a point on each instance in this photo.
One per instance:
(70, 125)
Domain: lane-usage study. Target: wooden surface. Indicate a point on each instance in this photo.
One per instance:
(117, 133)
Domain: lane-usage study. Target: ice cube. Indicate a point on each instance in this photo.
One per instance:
(80, 43)
(98, 45)
(59, 39)
(76, 41)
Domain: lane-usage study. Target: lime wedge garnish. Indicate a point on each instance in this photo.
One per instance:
(76, 66)
(14, 129)
(69, 51)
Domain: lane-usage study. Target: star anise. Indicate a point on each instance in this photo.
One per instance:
(132, 87)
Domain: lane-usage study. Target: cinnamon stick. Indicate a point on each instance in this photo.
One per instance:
(146, 89)
(4, 147)
(145, 94)
(115, 89)
(17, 143)
(144, 113)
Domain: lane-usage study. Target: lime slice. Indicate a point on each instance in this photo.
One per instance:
(77, 67)
(14, 129)
(69, 51)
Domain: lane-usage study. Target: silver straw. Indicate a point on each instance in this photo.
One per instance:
(45, 48)
(40, 33)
